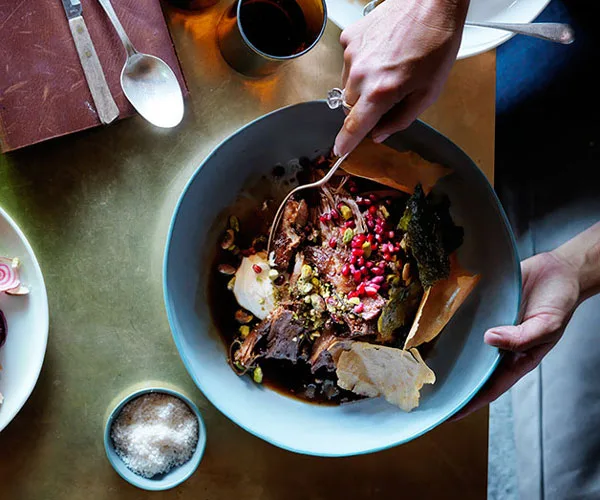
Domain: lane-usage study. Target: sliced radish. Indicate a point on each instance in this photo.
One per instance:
(9, 274)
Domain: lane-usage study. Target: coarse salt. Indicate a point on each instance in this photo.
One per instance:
(155, 433)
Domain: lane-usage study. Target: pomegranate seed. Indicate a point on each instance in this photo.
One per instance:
(369, 264)
(370, 224)
(359, 308)
(357, 276)
(252, 251)
(380, 221)
(366, 201)
(373, 209)
(335, 215)
(361, 261)
(360, 289)
(257, 269)
(377, 271)
(361, 238)
(387, 257)
(370, 238)
(357, 252)
(353, 189)
(333, 242)
(396, 249)
(322, 218)
(349, 224)
(373, 247)
(378, 280)
(391, 235)
(364, 270)
(378, 238)
(352, 294)
(328, 216)
(353, 259)
(371, 291)
(378, 229)
(373, 197)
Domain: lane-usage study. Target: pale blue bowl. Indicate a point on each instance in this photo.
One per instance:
(164, 481)
(461, 361)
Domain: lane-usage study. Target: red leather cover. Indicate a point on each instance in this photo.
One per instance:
(43, 92)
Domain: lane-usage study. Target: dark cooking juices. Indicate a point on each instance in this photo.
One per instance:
(281, 376)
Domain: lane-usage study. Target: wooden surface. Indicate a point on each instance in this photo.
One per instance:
(96, 208)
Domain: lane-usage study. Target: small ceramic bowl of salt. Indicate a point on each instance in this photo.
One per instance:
(155, 438)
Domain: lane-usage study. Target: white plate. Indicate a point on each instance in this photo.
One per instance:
(475, 40)
(22, 355)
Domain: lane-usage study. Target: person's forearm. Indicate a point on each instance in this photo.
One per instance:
(583, 251)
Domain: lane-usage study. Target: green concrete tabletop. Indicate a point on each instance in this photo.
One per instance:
(96, 207)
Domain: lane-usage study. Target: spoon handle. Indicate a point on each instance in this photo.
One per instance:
(553, 32)
(112, 15)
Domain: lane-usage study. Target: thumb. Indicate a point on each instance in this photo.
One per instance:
(532, 332)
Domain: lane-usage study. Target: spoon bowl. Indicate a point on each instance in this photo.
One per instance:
(147, 81)
(153, 90)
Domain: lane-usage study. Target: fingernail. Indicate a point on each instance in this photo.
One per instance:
(380, 138)
(492, 337)
(336, 150)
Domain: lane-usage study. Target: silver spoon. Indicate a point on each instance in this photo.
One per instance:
(147, 81)
(323, 180)
(335, 99)
(552, 32)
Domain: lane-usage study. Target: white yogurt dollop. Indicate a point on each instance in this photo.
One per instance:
(253, 290)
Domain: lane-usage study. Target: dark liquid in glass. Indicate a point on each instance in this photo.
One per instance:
(275, 27)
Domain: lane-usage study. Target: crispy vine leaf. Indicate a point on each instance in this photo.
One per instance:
(432, 235)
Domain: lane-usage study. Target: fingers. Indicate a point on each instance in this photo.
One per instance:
(512, 368)
(359, 122)
(402, 115)
(535, 331)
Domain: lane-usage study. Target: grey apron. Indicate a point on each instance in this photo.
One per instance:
(557, 406)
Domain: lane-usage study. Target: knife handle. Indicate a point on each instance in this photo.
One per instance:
(103, 100)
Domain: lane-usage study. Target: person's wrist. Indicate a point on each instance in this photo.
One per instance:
(589, 277)
(448, 15)
(584, 266)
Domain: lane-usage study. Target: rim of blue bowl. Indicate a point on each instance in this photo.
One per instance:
(175, 333)
(130, 476)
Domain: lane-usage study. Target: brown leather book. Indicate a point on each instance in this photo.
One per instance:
(43, 91)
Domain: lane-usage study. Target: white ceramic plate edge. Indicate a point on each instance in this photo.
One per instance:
(344, 12)
(40, 289)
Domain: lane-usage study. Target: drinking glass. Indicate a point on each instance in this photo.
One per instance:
(257, 36)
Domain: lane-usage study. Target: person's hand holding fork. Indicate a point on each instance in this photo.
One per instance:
(396, 61)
